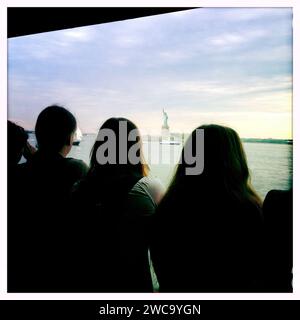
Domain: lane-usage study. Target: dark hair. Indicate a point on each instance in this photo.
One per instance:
(17, 138)
(225, 167)
(54, 127)
(106, 169)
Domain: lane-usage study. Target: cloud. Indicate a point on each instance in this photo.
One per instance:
(271, 54)
(77, 35)
(49, 46)
(250, 14)
(174, 56)
(250, 86)
(272, 95)
(227, 39)
(127, 41)
(237, 38)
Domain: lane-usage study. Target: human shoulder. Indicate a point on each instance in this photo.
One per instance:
(149, 187)
(277, 196)
(278, 204)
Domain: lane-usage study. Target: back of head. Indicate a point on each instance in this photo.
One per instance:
(225, 171)
(54, 128)
(17, 138)
(225, 159)
(126, 137)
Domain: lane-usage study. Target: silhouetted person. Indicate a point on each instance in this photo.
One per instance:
(17, 146)
(278, 215)
(207, 234)
(115, 204)
(45, 237)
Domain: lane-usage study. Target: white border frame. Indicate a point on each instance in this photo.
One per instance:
(3, 164)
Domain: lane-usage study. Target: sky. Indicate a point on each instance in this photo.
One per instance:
(230, 66)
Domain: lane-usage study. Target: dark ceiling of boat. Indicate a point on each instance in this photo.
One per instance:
(23, 21)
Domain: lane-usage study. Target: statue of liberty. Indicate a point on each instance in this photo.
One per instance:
(165, 124)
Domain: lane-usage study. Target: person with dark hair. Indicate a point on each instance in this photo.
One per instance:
(54, 130)
(45, 239)
(115, 205)
(208, 227)
(278, 217)
(17, 144)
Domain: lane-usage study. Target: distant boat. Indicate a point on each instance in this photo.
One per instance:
(77, 138)
(169, 142)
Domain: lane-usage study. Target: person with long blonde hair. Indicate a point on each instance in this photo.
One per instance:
(208, 226)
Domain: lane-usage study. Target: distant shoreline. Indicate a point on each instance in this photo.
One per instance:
(248, 140)
(277, 141)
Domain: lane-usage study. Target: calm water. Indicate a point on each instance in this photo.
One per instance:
(270, 164)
